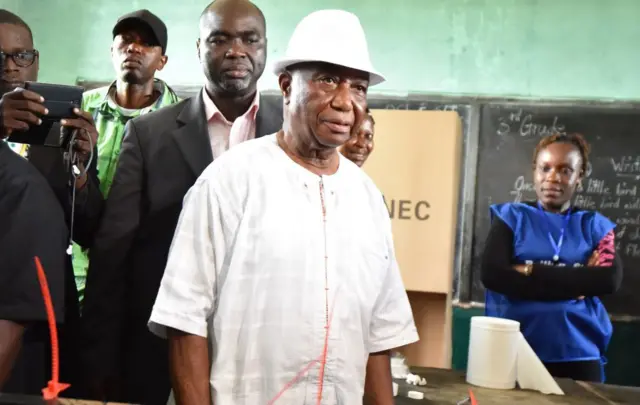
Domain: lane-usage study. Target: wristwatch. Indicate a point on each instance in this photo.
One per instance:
(528, 269)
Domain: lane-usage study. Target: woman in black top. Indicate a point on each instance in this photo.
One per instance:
(545, 263)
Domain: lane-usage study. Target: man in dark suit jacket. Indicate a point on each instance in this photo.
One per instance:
(162, 155)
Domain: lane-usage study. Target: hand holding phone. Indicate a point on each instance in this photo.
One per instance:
(19, 110)
(50, 115)
(86, 132)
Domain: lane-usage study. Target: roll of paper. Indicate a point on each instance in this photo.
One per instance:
(500, 356)
(493, 352)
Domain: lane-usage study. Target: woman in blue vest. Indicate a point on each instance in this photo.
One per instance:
(545, 263)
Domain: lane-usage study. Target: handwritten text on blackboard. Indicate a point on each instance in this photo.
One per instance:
(525, 125)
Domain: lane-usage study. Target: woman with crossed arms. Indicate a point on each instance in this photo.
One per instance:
(545, 263)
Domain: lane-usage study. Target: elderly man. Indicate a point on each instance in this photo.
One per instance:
(281, 284)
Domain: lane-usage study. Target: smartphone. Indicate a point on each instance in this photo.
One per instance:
(60, 100)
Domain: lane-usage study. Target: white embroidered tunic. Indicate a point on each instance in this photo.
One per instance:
(266, 254)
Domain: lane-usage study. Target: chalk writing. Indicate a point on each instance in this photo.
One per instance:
(403, 106)
(423, 106)
(633, 204)
(624, 197)
(448, 107)
(525, 125)
(632, 250)
(628, 220)
(609, 202)
(528, 127)
(626, 165)
(594, 195)
(625, 189)
(595, 186)
(585, 202)
(520, 187)
(635, 235)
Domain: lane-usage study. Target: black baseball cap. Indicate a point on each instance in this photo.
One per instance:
(150, 20)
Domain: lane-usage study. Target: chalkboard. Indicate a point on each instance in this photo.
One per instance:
(508, 135)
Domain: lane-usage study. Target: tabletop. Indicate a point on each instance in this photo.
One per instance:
(10, 399)
(448, 387)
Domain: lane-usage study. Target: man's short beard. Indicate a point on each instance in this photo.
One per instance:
(131, 78)
(236, 87)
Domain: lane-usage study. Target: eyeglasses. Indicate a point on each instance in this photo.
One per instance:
(22, 59)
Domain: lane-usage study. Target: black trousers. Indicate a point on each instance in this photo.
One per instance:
(590, 370)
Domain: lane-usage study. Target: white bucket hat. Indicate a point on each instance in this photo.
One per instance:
(331, 36)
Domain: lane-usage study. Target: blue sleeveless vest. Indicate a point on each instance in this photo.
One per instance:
(558, 331)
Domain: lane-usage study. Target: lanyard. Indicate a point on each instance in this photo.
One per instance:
(556, 245)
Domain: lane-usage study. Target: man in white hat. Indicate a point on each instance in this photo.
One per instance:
(282, 285)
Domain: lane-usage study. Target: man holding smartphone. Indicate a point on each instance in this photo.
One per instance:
(35, 223)
(20, 109)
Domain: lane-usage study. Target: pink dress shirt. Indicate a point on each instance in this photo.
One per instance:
(224, 134)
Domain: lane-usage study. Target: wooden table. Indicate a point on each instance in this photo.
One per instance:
(447, 387)
(9, 399)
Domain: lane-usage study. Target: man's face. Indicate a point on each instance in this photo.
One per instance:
(326, 103)
(136, 57)
(23, 66)
(232, 50)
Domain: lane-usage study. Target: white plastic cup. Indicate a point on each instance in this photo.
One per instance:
(493, 352)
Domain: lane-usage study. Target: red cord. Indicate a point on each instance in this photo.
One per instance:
(323, 363)
(294, 380)
(54, 387)
(472, 398)
(322, 360)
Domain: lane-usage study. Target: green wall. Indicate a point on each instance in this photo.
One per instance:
(538, 48)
